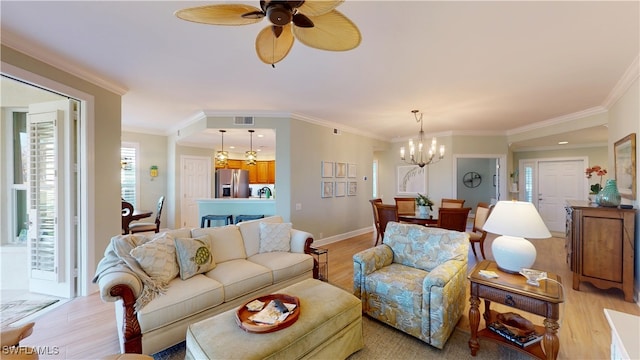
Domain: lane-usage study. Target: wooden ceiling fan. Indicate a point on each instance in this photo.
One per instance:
(315, 23)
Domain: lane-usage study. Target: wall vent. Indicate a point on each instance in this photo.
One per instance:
(243, 120)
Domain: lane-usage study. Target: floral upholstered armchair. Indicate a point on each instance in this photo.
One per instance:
(415, 281)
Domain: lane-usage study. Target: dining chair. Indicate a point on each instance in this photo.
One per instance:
(127, 212)
(386, 213)
(406, 205)
(453, 219)
(451, 203)
(146, 226)
(477, 235)
(376, 221)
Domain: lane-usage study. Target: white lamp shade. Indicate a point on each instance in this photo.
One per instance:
(515, 220)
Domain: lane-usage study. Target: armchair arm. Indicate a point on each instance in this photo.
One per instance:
(368, 261)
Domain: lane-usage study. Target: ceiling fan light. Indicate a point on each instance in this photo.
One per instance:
(279, 14)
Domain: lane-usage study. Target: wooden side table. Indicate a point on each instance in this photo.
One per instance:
(512, 290)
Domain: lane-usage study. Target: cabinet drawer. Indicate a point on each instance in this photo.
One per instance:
(525, 303)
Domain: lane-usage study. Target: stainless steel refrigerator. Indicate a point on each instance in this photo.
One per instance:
(232, 183)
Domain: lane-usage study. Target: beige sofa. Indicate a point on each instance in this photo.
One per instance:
(243, 270)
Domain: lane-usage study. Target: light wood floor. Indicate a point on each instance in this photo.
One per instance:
(85, 328)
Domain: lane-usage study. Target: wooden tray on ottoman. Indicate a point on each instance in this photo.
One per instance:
(242, 315)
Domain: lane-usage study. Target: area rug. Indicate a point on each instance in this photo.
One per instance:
(384, 342)
(15, 310)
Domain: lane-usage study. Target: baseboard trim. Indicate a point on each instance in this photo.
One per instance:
(340, 237)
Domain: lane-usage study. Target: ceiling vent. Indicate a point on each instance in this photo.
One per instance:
(243, 120)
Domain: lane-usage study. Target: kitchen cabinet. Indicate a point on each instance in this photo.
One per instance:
(600, 246)
(271, 172)
(263, 172)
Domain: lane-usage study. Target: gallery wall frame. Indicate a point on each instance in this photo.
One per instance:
(326, 190)
(624, 152)
(351, 170)
(352, 188)
(340, 188)
(341, 169)
(326, 169)
(411, 180)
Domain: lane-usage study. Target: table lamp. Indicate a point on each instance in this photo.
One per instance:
(515, 220)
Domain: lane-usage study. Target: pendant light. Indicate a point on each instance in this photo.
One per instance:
(221, 155)
(251, 155)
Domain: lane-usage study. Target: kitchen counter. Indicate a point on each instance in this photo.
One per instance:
(236, 206)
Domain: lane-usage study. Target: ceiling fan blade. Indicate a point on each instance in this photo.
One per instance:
(332, 31)
(295, 3)
(301, 20)
(272, 49)
(223, 14)
(318, 7)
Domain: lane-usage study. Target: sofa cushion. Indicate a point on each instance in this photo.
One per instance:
(194, 256)
(176, 233)
(250, 231)
(398, 284)
(158, 258)
(275, 237)
(284, 265)
(182, 300)
(240, 277)
(226, 242)
(423, 247)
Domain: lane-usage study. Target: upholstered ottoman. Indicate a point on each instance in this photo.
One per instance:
(329, 327)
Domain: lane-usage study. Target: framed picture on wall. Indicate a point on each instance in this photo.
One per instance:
(624, 151)
(352, 188)
(341, 188)
(326, 189)
(351, 170)
(411, 180)
(327, 169)
(341, 169)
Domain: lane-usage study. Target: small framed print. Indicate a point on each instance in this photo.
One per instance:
(327, 169)
(351, 171)
(341, 188)
(352, 188)
(327, 189)
(341, 169)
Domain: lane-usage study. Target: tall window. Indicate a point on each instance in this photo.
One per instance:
(128, 177)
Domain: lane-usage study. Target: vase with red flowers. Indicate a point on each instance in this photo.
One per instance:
(598, 171)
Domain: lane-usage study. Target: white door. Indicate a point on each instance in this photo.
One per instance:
(558, 181)
(51, 199)
(195, 183)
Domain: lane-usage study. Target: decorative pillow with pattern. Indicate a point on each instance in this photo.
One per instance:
(158, 258)
(275, 237)
(194, 256)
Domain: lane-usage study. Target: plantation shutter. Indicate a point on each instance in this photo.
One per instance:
(128, 174)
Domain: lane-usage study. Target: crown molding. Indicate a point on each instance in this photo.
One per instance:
(559, 147)
(558, 120)
(20, 44)
(333, 125)
(629, 76)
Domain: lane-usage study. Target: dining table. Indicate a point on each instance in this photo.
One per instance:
(427, 220)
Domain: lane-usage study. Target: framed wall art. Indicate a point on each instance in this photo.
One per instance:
(411, 180)
(327, 189)
(327, 169)
(341, 188)
(351, 170)
(341, 169)
(352, 188)
(624, 152)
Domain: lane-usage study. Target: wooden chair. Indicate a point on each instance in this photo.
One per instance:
(144, 226)
(406, 206)
(453, 219)
(386, 213)
(376, 221)
(477, 235)
(127, 212)
(451, 203)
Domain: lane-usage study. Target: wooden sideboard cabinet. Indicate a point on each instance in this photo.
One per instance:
(600, 246)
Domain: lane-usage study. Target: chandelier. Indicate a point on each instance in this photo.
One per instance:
(421, 159)
(251, 155)
(221, 155)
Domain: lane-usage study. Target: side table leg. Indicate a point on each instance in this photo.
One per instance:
(550, 342)
(474, 321)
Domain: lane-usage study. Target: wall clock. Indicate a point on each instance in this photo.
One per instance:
(471, 179)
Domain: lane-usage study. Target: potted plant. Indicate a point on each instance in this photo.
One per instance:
(423, 203)
(595, 188)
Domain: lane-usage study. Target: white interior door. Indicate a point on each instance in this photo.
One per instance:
(51, 198)
(195, 184)
(558, 181)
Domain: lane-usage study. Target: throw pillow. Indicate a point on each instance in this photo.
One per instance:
(157, 258)
(194, 256)
(275, 237)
